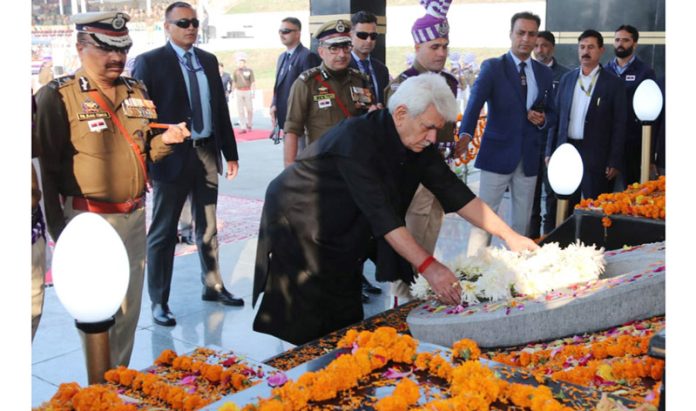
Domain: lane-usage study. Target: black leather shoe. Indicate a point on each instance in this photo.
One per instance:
(187, 239)
(223, 296)
(162, 316)
(369, 288)
(365, 298)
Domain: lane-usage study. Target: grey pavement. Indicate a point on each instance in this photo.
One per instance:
(56, 351)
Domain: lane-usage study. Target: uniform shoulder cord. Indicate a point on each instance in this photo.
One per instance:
(97, 97)
(338, 98)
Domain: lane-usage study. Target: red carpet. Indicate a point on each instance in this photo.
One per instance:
(251, 135)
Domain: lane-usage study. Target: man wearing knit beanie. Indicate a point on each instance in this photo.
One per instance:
(431, 37)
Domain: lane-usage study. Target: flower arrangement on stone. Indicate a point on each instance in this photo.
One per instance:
(496, 274)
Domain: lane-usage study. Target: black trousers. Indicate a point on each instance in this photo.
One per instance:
(200, 178)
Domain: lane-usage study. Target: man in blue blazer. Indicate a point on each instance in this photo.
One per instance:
(293, 61)
(363, 35)
(184, 83)
(591, 106)
(519, 93)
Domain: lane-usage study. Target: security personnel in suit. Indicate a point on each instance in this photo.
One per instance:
(364, 37)
(95, 139)
(185, 84)
(324, 95)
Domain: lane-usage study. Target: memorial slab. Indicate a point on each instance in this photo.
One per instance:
(631, 288)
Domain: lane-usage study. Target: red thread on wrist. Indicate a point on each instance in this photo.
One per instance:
(426, 263)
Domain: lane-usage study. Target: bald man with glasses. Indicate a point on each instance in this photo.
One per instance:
(323, 96)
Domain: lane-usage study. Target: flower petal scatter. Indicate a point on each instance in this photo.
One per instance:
(647, 200)
(468, 384)
(496, 274)
(70, 396)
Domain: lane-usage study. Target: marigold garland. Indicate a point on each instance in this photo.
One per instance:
(70, 396)
(639, 200)
(472, 385)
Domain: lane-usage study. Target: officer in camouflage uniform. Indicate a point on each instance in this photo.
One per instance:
(425, 214)
(324, 95)
(95, 139)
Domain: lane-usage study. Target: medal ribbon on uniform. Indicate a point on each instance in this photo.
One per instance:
(136, 150)
(338, 98)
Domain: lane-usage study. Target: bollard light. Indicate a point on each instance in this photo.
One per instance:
(90, 275)
(565, 175)
(647, 104)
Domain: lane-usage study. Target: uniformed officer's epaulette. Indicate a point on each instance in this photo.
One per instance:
(356, 72)
(410, 72)
(131, 82)
(452, 81)
(62, 81)
(308, 74)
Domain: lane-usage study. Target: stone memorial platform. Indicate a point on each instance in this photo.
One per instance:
(631, 288)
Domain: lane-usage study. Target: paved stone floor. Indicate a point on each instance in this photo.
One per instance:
(56, 352)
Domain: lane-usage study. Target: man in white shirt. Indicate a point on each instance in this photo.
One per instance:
(591, 107)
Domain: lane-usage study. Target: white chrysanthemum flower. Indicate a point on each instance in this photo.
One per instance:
(421, 288)
(469, 290)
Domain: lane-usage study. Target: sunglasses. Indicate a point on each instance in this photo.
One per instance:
(106, 48)
(363, 35)
(286, 31)
(185, 23)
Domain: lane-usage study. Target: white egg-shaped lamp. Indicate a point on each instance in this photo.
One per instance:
(90, 268)
(647, 101)
(565, 170)
(647, 104)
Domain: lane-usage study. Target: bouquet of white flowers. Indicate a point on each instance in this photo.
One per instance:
(498, 274)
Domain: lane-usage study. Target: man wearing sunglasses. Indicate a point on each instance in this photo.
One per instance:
(294, 60)
(323, 96)
(94, 143)
(364, 38)
(185, 84)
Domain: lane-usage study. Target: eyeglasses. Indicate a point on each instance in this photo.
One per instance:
(286, 31)
(106, 48)
(185, 23)
(363, 35)
(335, 48)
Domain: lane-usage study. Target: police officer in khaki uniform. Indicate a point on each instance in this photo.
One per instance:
(425, 214)
(95, 139)
(324, 95)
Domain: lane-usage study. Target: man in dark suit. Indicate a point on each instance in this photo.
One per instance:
(543, 53)
(364, 38)
(518, 91)
(591, 106)
(632, 70)
(185, 85)
(293, 61)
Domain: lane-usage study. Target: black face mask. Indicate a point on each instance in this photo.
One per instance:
(623, 53)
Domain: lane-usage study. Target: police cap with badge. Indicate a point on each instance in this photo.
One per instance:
(334, 33)
(107, 29)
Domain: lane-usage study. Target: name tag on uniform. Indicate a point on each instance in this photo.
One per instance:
(97, 125)
(324, 103)
(92, 116)
(630, 77)
(325, 96)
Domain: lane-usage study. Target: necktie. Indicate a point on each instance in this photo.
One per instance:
(284, 64)
(523, 81)
(194, 89)
(365, 68)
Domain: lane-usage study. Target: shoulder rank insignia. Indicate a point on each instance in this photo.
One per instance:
(61, 81)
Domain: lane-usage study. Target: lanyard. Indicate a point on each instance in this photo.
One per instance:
(338, 98)
(193, 58)
(588, 92)
(95, 95)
